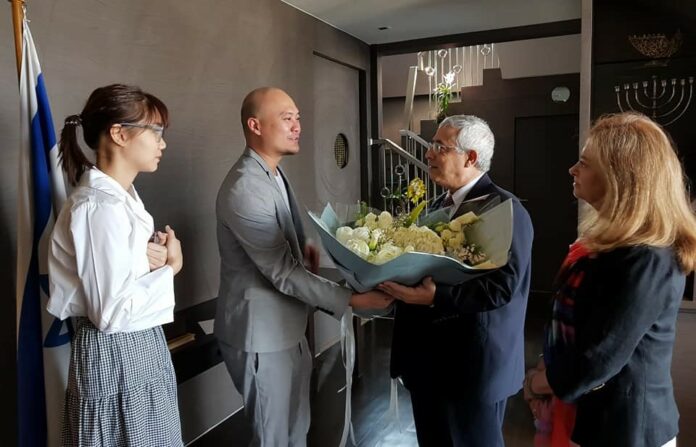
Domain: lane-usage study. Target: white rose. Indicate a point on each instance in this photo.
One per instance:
(387, 253)
(361, 233)
(385, 220)
(343, 234)
(359, 247)
(370, 220)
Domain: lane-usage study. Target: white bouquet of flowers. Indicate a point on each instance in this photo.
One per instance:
(369, 248)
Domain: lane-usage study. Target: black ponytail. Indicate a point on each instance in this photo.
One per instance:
(72, 158)
(106, 106)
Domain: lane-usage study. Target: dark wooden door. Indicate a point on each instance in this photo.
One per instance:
(545, 148)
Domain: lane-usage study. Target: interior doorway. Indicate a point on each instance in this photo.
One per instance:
(545, 148)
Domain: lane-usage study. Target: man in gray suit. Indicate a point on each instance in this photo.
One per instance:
(268, 281)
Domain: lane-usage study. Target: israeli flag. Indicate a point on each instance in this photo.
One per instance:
(43, 342)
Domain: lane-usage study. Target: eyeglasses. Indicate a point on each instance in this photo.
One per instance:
(158, 130)
(440, 148)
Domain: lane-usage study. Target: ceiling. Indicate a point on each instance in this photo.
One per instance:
(415, 19)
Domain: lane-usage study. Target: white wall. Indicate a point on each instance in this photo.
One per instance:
(540, 57)
(518, 59)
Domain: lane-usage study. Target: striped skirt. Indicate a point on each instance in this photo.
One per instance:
(121, 390)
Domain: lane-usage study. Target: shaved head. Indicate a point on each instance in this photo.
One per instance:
(271, 122)
(253, 104)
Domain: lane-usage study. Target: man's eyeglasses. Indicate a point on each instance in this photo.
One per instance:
(158, 130)
(440, 148)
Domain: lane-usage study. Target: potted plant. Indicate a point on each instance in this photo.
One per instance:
(443, 94)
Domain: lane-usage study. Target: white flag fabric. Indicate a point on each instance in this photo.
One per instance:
(43, 342)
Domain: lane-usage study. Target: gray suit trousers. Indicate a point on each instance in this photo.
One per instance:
(275, 388)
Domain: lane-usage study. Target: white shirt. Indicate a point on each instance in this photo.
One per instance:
(97, 262)
(460, 195)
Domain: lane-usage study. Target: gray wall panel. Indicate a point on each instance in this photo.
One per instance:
(201, 58)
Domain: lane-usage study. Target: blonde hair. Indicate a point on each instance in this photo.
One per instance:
(646, 201)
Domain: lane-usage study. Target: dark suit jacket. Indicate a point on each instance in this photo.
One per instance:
(625, 316)
(471, 342)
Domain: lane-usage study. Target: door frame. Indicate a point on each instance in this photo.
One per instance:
(365, 166)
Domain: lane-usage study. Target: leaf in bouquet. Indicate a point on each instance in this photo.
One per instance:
(413, 216)
(438, 227)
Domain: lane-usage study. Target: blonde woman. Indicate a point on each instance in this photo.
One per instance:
(609, 345)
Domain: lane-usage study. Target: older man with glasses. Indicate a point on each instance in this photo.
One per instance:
(460, 349)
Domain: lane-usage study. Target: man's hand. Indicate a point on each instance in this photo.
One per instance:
(370, 300)
(311, 257)
(423, 293)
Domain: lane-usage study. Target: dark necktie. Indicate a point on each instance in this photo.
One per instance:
(448, 201)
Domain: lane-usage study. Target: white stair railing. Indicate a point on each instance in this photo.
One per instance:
(398, 166)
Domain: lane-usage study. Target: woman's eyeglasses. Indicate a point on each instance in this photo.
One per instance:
(158, 130)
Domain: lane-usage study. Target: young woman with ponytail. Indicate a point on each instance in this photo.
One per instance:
(118, 286)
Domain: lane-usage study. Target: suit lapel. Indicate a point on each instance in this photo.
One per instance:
(481, 188)
(480, 198)
(294, 210)
(288, 219)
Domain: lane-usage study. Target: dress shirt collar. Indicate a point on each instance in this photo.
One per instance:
(460, 195)
(96, 179)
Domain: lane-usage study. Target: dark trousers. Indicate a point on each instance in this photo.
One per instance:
(443, 421)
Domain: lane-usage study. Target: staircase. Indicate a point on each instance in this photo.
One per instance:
(397, 166)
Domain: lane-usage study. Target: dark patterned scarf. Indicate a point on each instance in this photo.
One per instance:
(560, 334)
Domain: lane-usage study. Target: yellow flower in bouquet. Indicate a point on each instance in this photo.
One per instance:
(415, 190)
(454, 239)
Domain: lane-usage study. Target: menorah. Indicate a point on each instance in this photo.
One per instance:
(656, 102)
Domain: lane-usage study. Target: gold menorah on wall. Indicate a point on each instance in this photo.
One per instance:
(665, 101)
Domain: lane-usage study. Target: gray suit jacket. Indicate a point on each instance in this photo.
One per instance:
(265, 293)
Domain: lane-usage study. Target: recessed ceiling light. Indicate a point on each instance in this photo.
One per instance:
(384, 28)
